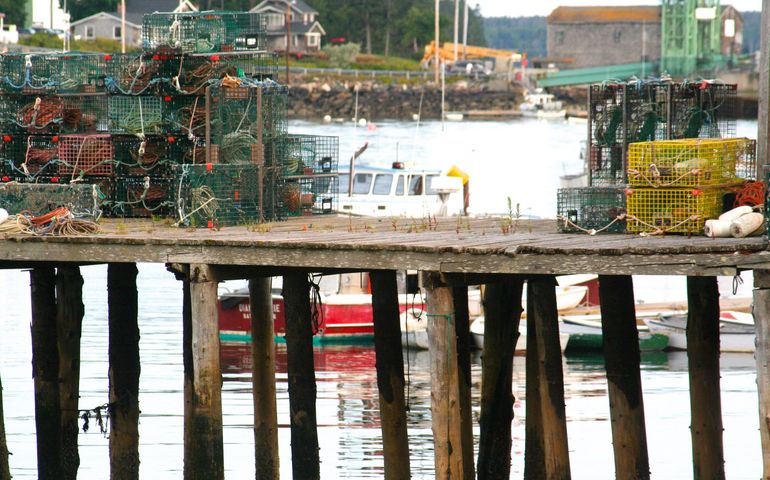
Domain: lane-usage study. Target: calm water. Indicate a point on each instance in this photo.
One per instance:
(520, 159)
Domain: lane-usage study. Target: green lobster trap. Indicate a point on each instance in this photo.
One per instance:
(151, 155)
(672, 210)
(211, 195)
(137, 197)
(259, 109)
(591, 209)
(29, 73)
(132, 74)
(83, 200)
(309, 154)
(203, 32)
(305, 195)
(135, 115)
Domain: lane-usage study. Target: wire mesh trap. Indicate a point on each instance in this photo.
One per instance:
(309, 195)
(672, 210)
(136, 197)
(82, 200)
(82, 155)
(136, 156)
(309, 154)
(691, 162)
(587, 209)
(135, 115)
(703, 110)
(202, 32)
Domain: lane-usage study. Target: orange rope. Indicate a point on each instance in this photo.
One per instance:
(59, 212)
(751, 194)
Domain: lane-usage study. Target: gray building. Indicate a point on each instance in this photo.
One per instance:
(594, 36)
(306, 31)
(108, 24)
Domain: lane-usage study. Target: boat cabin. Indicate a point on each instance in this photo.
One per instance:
(399, 192)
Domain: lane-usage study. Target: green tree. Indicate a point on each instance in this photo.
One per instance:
(14, 11)
(83, 8)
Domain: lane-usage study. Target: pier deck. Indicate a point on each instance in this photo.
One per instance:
(447, 245)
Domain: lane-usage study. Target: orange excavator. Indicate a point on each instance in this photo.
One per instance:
(468, 52)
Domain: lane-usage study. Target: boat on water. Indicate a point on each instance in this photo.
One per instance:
(585, 333)
(733, 337)
(542, 105)
(345, 315)
(477, 333)
(400, 191)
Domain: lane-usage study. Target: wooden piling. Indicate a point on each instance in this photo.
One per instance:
(534, 442)
(390, 374)
(5, 471)
(45, 370)
(761, 310)
(305, 459)
(69, 313)
(204, 442)
(621, 359)
(123, 306)
(187, 365)
(263, 379)
(502, 313)
(703, 359)
(464, 381)
(541, 311)
(445, 390)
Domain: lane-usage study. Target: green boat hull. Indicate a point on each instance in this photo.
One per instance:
(317, 340)
(591, 341)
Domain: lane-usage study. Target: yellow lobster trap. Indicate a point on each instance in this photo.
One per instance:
(691, 162)
(671, 210)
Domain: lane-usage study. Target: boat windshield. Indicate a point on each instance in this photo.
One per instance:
(429, 185)
(415, 184)
(382, 184)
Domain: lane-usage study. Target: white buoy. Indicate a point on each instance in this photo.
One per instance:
(361, 122)
(717, 228)
(416, 117)
(3, 215)
(747, 225)
(735, 213)
(327, 118)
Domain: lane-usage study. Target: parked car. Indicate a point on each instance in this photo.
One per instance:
(473, 68)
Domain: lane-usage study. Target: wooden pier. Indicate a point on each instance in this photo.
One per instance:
(451, 254)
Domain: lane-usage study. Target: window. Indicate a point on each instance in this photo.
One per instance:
(313, 39)
(429, 185)
(382, 184)
(616, 35)
(559, 38)
(90, 32)
(415, 184)
(362, 183)
(400, 185)
(344, 183)
(275, 19)
(295, 40)
(116, 32)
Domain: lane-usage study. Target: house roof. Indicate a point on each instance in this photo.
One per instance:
(107, 16)
(299, 28)
(605, 14)
(297, 5)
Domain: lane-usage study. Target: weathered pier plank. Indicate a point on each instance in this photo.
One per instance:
(445, 389)
(263, 380)
(123, 305)
(502, 312)
(541, 311)
(5, 472)
(206, 450)
(761, 310)
(69, 321)
(305, 459)
(390, 374)
(45, 370)
(620, 342)
(703, 360)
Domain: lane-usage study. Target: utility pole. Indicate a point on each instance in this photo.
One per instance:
(436, 57)
(465, 28)
(457, 25)
(763, 136)
(122, 26)
(288, 38)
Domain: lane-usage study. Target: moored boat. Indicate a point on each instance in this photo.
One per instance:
(585, 333)
(733, 337)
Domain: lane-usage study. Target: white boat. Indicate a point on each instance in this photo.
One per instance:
(542, 105)
(733, 337)
(586, 332)
(477, 333)
(414, 329)
(399, 192)
(567, 297)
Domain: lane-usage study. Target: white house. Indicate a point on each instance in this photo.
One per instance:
(306, 31)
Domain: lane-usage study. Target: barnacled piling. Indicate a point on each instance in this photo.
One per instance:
(70, 311)
(390, 374)
(125, 368)
(305, 459)
(502, 313)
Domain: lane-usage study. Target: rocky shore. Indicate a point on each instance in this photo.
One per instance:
(315, 100)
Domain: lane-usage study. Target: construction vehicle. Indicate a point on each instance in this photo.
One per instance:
(504, 59)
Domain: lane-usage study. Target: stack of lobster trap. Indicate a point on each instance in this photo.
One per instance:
(661, 158)
(193, 126)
